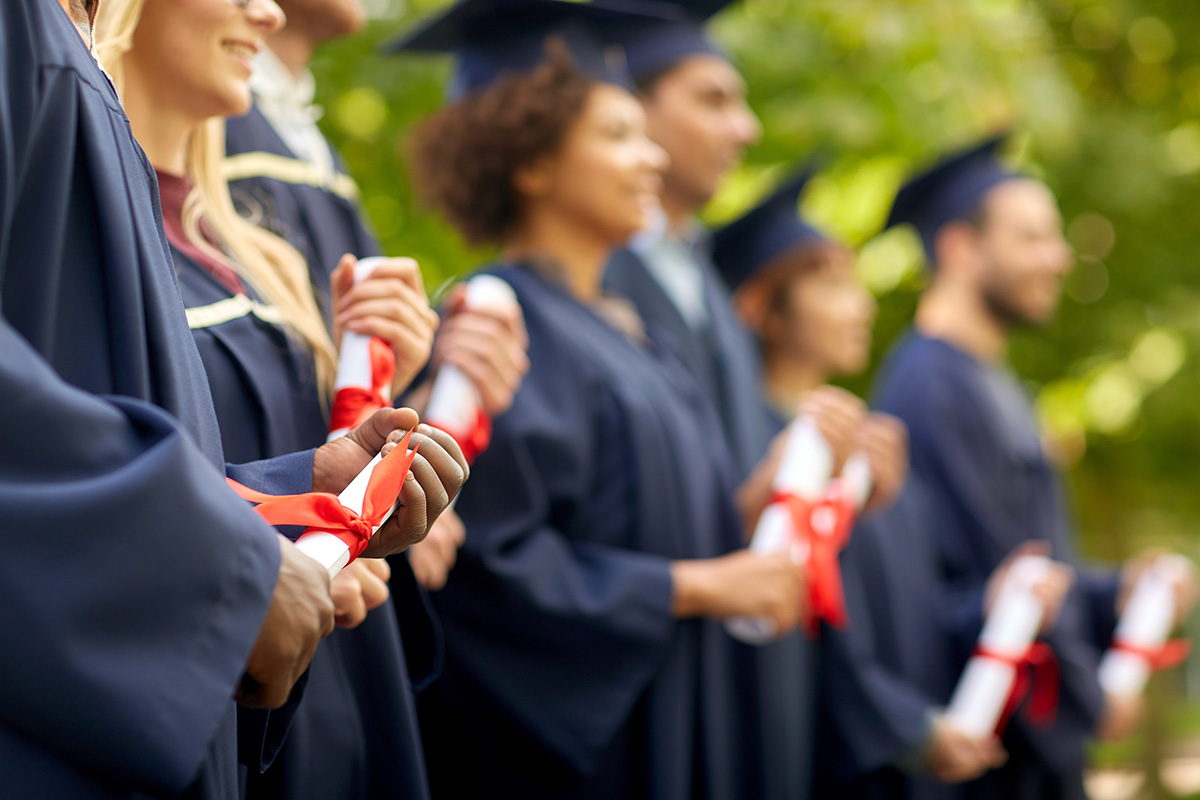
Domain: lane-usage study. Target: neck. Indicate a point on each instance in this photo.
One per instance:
(162, 134)
(678, 210)
(958, 315)
(293, 47)
(580, 253)
(79, 19)
(789, 380)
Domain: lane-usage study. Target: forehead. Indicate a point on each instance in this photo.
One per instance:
(1021, 200)
(705, 72)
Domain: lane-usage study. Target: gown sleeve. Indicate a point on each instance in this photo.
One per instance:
(560, 633)
(133, 583)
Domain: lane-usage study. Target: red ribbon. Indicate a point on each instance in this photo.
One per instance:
(824, 526)
(1037, 676)
(353, 405)
(323, 512)
(474, 441)
(1170, 654)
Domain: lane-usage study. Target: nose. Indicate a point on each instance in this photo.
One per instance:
(747, 129)
(266, 15)
(655, 157)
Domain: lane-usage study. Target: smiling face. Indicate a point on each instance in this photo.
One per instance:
(606, 174)
(193, 58)
(698, 112)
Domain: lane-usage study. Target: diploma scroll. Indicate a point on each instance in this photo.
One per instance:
(339, 527)
(1141, 634)
(802, 488)
(365, 370)
(987, 682)
(454, 403)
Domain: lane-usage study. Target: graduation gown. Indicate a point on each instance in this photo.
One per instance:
(134, 582)
(565, 674)
(724, 359)
(355, 732)
(318, 214)
(976, 447)
(895, 664)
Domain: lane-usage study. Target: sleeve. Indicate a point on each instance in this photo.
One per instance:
(557, 633)
(878, 714)
(1101, 588)
(133, 583)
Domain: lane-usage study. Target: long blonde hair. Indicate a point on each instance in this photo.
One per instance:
(275, 269)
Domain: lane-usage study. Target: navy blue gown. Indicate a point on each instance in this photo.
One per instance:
(976, 448)
(894, 665)
(725, 361)
(319, 215)
(565, 674)
(134, 582)
(355, 732)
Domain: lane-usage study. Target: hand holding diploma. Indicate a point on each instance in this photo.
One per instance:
(1025, 595)
(384, 299)
(952, 756)
(1159, 590)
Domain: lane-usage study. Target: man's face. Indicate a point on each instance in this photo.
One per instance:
(1024, 256)
(325, 19)
(697, 112)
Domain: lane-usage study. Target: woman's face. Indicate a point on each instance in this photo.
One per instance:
(194, 56)
(607, 173)
(823, 316)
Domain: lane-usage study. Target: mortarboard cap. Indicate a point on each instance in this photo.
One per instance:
(491, 37)
(951, 190)
(767, 231)
(653, 47)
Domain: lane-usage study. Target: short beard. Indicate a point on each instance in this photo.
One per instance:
(1005, 312)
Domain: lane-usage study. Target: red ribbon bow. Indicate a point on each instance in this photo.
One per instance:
(1170, 654)
(474, 441)
(1037, 676)
(323, 512)
(824, 527)
(353, 405)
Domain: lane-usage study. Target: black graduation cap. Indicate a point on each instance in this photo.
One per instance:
(767, 231)
(951, 190)
(653, 47)
(491, 37)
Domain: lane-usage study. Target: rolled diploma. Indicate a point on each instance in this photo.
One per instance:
(454, 403)
(985, 685)
(330, 551)
(804, 470)
(354, 357)
(1145, 623)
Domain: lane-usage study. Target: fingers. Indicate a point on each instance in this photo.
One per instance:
(348, 605)
(390, 271)
(387, 424)
(446, 458)
(490, 350)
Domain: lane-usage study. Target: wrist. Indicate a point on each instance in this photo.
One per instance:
(690, 589)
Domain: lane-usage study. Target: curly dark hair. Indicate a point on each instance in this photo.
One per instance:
(463, 158)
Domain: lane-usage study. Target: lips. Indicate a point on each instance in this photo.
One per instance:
(242, 51)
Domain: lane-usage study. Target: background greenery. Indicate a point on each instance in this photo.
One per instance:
(1105, 96)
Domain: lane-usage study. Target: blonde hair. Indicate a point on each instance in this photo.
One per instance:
(275, 269)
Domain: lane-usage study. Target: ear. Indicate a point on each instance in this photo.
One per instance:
(957, 250)
(752, 302)
(536, 180)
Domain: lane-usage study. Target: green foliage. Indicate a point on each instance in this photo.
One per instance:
(1105, 97)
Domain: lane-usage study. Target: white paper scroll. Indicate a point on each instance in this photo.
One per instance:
(1011, 627)
(454, 403)
(805, 471)
(332, 553)
(354, 356)
(1144, 625)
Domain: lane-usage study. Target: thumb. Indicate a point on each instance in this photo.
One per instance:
(341, 280)
(373, 434)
